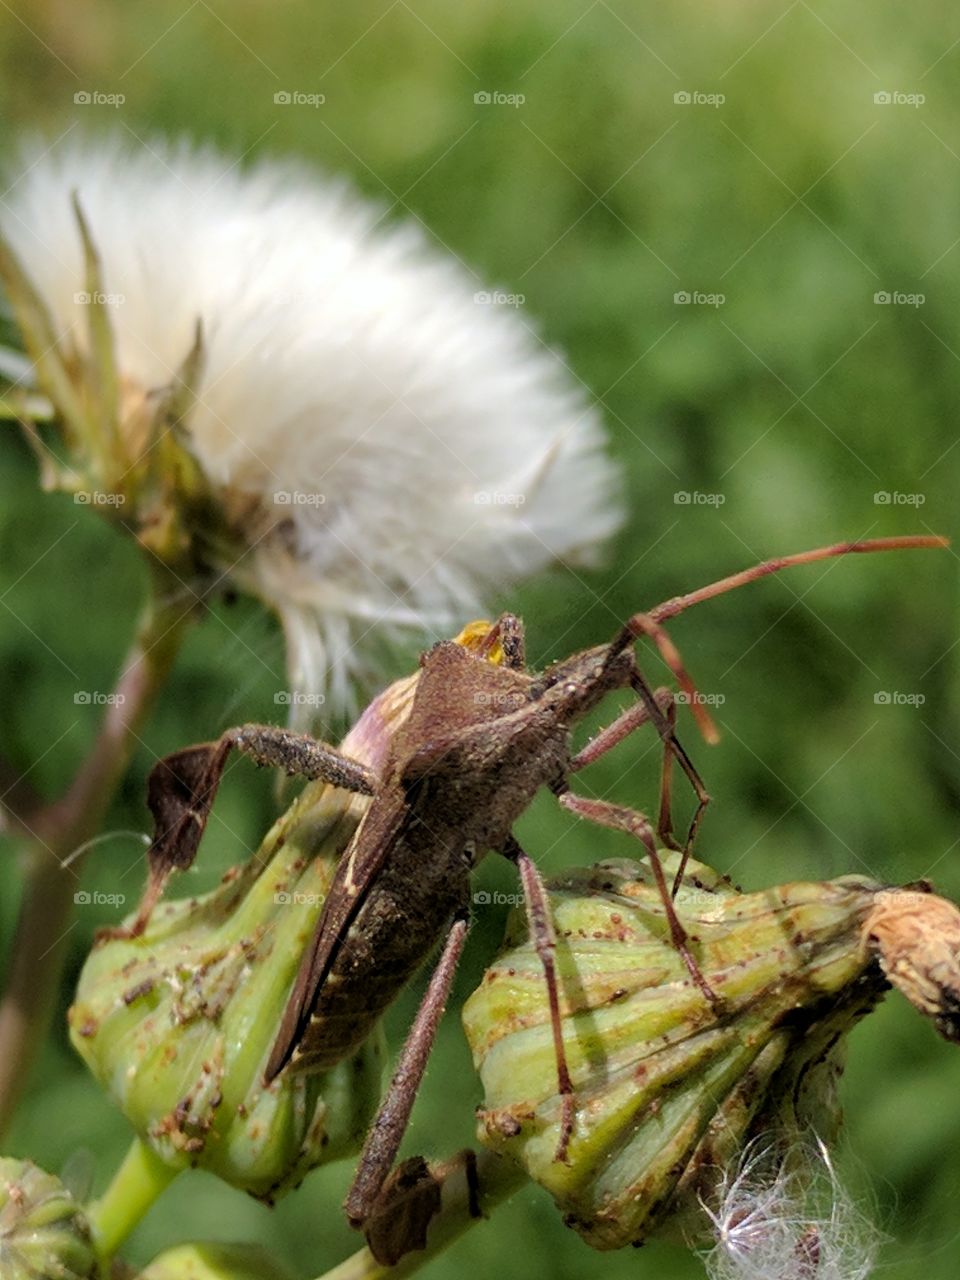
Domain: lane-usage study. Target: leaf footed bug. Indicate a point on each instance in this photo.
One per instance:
(481, 737)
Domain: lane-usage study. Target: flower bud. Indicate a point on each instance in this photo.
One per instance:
(43, 1234)
(669, 1091)
(215, 1262)
(178, 1021)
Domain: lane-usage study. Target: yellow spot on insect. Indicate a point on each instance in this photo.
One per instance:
(474, 634)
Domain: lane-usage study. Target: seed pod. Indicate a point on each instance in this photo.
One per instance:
(668, 1091)
(178, 1022)
(43, 1234)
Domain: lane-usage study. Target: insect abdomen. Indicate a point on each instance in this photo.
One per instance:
(405, 915)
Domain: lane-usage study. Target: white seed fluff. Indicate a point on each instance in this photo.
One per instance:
(774, 1223)
(408, 446)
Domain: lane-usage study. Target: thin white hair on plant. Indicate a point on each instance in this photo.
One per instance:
(393, 445)
(785, 1216)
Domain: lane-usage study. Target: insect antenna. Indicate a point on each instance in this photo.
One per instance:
(650, 624)
(677, 604)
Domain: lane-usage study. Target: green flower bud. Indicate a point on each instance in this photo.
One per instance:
(668, 1091)
(178, 1023)
(216, 1262)
(43, 1234)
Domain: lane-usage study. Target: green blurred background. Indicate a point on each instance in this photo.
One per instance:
(796, 400)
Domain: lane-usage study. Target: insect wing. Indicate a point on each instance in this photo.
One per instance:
(358, 870)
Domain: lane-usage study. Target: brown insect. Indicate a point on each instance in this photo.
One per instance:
(480, 739)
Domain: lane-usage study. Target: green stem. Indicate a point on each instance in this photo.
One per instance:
(59, 829)
(497, 1179)
(136, 1184)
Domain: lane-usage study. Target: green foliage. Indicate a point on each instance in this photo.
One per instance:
(796, 400)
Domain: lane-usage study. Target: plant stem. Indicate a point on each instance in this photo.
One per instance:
(61, 828)
(497, 1178)
(136, 1184)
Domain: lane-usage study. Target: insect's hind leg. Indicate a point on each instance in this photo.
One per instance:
(386, 1132)
(542, 936)
(637, 824)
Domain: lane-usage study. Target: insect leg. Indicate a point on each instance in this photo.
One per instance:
(300, 755)
(636, 824)
(659, 706)
(632, 718)
(181, 789)
(386, 1132)
(542, 936)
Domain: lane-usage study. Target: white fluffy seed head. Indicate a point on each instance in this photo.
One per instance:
(403, 443)
(789, 1221)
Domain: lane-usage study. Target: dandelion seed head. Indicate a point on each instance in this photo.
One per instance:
(396, 446)
(777, 1220)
